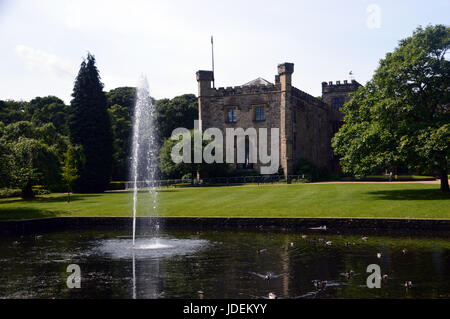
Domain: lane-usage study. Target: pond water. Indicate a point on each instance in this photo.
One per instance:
(223, 264)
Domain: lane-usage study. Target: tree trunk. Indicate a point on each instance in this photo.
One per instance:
(444, 180)
(68, 194)
(27, 191)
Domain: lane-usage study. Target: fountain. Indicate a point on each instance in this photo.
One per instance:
(144, 147)
(143, 176)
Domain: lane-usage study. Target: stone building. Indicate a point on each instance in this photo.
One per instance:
(306, 123)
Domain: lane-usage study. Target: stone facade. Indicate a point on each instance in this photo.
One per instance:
(306, 123)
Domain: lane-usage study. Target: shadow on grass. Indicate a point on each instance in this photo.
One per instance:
(411, 194)
(27, 213)
(49, 199)
(142, 191)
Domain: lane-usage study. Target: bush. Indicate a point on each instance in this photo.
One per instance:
(240, 172)
(114, 186)
(10, 192)
(40, 190)
(187, 177)
(307, 168)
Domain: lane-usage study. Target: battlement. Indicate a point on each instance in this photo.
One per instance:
(245, 89)
(328, 87)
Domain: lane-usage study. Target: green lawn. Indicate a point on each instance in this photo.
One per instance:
(413, 200)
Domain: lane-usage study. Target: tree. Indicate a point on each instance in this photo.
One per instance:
(174, 170)
(121, 127)
(73, 159)
(90, 127)
(5, 169)
(306, 167)
(401, 116)
(13, 111)
(181, 111)
(31, 155)
(124, 96)
(49, 109)
(32, 162)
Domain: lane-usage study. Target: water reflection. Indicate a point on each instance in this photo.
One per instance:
(214, 264)
(134, 275)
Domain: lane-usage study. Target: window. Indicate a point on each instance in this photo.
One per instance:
(231, 115)
(337, 102)
(259, 113)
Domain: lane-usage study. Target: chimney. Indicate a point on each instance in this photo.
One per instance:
(204, 79)
(285, 71)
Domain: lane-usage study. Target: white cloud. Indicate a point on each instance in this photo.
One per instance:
(45, 63)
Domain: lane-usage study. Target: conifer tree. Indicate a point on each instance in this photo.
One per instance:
(90, 127)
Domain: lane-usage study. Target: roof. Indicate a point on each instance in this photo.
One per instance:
(258, 81)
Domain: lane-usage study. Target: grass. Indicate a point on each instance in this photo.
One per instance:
(406, 200)
(386, 178)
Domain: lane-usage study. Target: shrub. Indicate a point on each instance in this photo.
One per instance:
(10, 192)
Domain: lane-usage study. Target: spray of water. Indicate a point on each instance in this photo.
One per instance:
(144, 148)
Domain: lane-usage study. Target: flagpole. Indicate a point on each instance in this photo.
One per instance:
(212, 58)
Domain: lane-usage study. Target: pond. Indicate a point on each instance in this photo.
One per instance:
(223, 264)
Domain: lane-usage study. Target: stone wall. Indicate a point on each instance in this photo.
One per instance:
(339, 89)
(311, 128)
(329, 92)
(306, 123)
(333, 225)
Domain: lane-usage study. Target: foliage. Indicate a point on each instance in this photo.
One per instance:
(13, 111)
(90, 127)
(4, 165)
(306, 167)
(123, 96)
(121, 125)
(30, 154)
(401, 116)
(73, 160)
(33, 162)
(173, 170)
(49, 109)
(10, 192)
(181, 111)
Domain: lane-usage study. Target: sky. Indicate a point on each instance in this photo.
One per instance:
(43, 42)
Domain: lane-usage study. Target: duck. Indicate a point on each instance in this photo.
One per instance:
(365, 238)
(320, 284)
(319, 228)
(272, 296)
(350, 273)
(329, 243)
